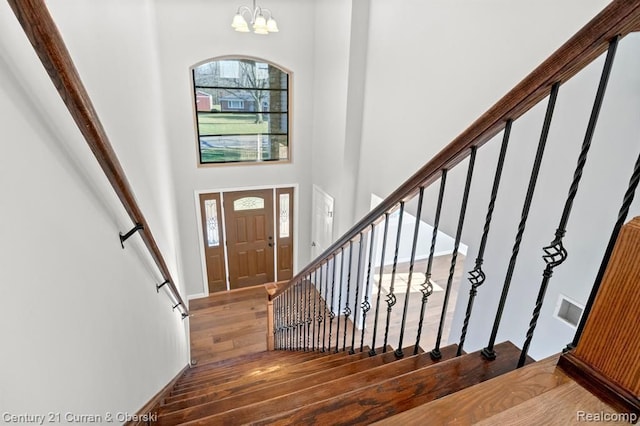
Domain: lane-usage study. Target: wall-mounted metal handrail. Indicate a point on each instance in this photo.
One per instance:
(43, 34)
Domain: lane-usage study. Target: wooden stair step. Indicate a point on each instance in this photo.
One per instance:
(248, 393)
(400, 393)
(262, 356)
(559, 406)
(325, 391)
(222, 374)
(486, 399)
(266, 373)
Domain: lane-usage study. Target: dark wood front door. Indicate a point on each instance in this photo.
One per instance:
(250, 237)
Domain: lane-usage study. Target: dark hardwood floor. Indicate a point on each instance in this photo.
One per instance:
(229, 324)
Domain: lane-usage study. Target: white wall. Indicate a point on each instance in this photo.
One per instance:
(191, 31)
(605, 179)
(432, 69)
(80, 314)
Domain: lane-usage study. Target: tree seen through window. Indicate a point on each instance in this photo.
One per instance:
(242, 110)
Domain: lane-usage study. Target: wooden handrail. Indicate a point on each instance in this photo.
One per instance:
(620, 17)
(43, 34)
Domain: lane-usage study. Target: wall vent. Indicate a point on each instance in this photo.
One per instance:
(569, 311)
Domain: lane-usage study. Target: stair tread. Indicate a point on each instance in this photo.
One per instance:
(560, 406)
(324, 391)
(247, 393)
(488, 398)
(266, 373)
(224, 374)
(392, 396)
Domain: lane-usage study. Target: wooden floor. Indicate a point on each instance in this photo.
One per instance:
(228, 324)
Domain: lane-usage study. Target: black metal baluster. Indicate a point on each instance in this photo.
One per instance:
(372, 351)
(555, 253)
(326, 299)
(391, 297)
(622, 217)
(298, 316)
(290, 318)
(347, 310)
(314, 295)
(340, 298)
(435, 352)
(332, 314)
(309, 317)
(398, 352)
(320, 302)
(303, 317)
(477, 275)
(355, 302)
(488, 352)
(427, 288)
(366, 306)
(294, 317)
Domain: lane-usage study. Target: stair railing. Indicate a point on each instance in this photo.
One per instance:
(43, 34)
(601, 34)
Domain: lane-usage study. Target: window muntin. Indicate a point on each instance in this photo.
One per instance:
(242, 110)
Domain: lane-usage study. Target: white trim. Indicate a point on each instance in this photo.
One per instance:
(221, 191)
(197, 296)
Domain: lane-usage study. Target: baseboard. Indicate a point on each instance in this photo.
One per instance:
(599, 385)
(196, 296)
(147, 414)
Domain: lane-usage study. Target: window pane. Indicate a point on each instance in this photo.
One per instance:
(245, 104)
(284, 215)
(234, 148)
(248, 203)
(227, 123)
(211, 217)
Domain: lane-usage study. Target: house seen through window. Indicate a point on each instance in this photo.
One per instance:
(242, 110)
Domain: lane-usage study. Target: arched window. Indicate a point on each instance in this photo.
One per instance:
(242, 111)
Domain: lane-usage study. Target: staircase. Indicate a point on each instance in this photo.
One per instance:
(282, 387)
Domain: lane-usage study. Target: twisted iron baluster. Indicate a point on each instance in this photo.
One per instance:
(347, 310)
(301, 311)
(435, 352)
(488, 352)
(320, 301)
(477, 275)
(332, 314)
(355, 302)
(313, 318)
(326, 296)
(366, 306)
(340, 298)
(427, 288)
(391, 297)
(398, 352)
(555, 253)
(277, 315)
(622, 217)
(309, 317)
(372, 351)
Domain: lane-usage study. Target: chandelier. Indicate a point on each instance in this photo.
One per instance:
(260, 18)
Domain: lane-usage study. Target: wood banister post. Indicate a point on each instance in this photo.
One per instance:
(607, 358)
(271, 289)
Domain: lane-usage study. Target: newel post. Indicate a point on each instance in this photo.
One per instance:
(607, 358)
(271, 289)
